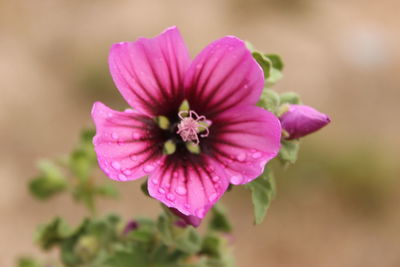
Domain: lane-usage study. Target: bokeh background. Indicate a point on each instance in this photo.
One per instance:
(338, 206)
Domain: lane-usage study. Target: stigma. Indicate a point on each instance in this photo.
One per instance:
(191, 125)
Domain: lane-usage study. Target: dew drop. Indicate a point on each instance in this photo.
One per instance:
(213, 197)
(116, 165)
(241, 157)
(236, 179)
(175, 174)
(127, 172)
(135, 136)
(133, 157)
(114, 136)
(161, 190)
(215, 178)
(170, 196)
(148, 168)
(122, 177)
(181, 190)
(200, 212)
(155, 181)
(256, 155)
(167, 185)
(129, 110)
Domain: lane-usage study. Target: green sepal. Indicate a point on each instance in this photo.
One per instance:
(289, 151)
(263, 190)
(269, 100)
(290, 98)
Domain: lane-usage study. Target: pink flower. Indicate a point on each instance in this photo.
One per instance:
(222, 85)
(301, 120)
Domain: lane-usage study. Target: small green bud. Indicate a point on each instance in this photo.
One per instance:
(87, 247)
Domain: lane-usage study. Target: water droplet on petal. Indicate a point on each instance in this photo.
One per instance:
(133, 157)
(135, 136)
(175, 174)
(241, 157)
(215, 178)
(236, 179)
(161, 190)
(200, 212)
(148, 168)
(116, 165)
(167, 185)
(181, 190)
(262, 163)
(256, 155)
(187, 206)
(171, 197)
(129, 110)
(155, 181)
(127, 172)
(213, 197)
(114, 136)
(122, 177)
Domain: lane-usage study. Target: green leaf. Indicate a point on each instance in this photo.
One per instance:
(262, 192)
(290, 98)
(144, 189)
(83, 158)
(289, 151)
(269, 100)
(272, 66)
(165, 229)
(219, 222)
(211, 246)
(276, 61)
(136, 257)
(107, 190)
(188, 240)
(53, 233)
(50, 182)
(28, 262)
(264, 62)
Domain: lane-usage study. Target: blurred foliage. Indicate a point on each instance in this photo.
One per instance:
(73, 174)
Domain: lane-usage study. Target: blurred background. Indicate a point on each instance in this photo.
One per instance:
(338, 206)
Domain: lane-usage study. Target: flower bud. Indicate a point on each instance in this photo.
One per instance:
(130, 226)
(301, 120)
(185, 220)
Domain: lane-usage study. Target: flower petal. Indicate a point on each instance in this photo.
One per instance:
(125, 143)
(222, 76)
(191, 185)
(149, 72)
(243, 140)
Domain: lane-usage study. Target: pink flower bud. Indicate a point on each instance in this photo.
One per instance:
(301, 120)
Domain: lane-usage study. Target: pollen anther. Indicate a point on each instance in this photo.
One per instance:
(190, 126)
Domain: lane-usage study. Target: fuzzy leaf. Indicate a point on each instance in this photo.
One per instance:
(269, 100)
(289, 151)
(290, 98)
(262, 192)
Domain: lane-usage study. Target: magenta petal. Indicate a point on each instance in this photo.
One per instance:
(149, 72)
(191, 188)
(244, 139)
(123, 143)
(222, 76)
(301, 120)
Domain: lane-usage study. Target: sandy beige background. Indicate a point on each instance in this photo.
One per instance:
(337, 207)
